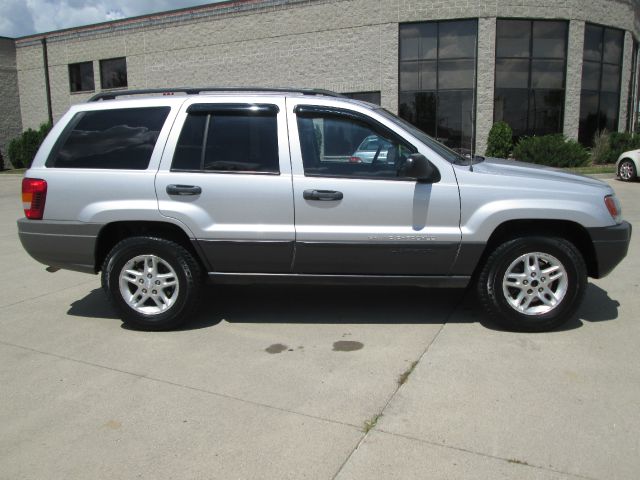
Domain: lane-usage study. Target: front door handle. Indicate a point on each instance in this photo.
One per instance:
(322, 195)
(183, 190)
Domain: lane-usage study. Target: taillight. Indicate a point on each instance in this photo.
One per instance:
(613, 205)
(355, 160)
(34, 195)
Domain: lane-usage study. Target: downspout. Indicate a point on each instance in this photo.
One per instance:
(47, 84)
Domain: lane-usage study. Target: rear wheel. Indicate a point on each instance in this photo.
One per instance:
(153, 283)
(533, 283)
(627, 170)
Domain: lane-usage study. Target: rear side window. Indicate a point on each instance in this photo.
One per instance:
(112, 139)
(231, 141)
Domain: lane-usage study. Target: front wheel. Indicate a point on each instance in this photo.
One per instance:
(533, 283)
(627, 170)
(153, 283)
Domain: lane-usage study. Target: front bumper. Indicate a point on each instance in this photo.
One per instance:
(611, 245)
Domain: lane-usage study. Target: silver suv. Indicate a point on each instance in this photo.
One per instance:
(159, 190)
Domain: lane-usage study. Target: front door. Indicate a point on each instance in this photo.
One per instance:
(356, 212)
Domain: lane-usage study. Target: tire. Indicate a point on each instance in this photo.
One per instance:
(528, 299)
(170, 268)
(627, 170)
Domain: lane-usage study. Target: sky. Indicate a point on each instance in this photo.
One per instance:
(25, 17)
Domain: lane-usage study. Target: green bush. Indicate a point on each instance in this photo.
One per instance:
(500, 141)
(23, 149)
(620, 142)
(1, 161)
(551, 150)
(601, 147)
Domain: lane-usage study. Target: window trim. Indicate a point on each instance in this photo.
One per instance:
(92, 75)
(101, 62)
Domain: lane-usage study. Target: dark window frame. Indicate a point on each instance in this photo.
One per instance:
(530, 59)
(473, 89)
(93, 80)
(102, 73)
(601, 63)
(221, 110)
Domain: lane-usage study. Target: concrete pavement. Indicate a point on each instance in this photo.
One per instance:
(280, 381)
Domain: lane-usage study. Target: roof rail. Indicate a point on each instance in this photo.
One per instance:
(197, 91)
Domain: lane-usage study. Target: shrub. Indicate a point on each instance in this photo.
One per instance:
(1, 161)
(620, 142)
(23, 148)
(551, 150)
(601, 147)
(500, 141)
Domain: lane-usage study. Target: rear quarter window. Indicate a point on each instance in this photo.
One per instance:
(109, 139)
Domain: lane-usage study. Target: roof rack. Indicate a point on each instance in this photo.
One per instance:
(197, 91)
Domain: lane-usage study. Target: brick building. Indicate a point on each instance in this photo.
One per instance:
(451, 67)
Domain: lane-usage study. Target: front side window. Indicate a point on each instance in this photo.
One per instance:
(337, 146)
(113, 73)
(81, 77)
(111, 139)
(228, 142)
(437, 79)
(531, 59)
(601, 72)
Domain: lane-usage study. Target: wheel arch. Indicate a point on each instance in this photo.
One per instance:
(112, 233)
(571, 231)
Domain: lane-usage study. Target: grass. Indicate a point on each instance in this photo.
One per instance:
(591, 169)
(404, 376)
(15, 171)
(371, 423)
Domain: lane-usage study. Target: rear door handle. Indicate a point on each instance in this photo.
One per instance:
(183, 190)
(322, 195)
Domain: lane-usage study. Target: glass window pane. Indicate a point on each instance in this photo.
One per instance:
(420, 110)
(409, 79)
(510, 105)
(610, 78)
(513, 38)
(115, 139)
(113, 73)
(455, 74)
(591, 75)
(593, 43)
(428, 80)
(455, 126)
(589, 118)
(81, 77)
(242, 143)
(549, 39)
(512, 74)
(613, 41)
(418, 41)
(547, 73)
(609, 104)
(188, 154)
(545, 111)
(458, 39)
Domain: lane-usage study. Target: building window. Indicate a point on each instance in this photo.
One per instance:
(601, 73)
(81, 77)
(113, 73)
(531, 58)
(437, 79)
(371, 97)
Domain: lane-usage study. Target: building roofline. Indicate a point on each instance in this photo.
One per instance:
(226, 6)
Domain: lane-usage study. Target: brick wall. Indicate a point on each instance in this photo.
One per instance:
(10, 123)
(342, 45)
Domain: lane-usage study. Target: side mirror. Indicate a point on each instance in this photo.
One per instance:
(417, 166)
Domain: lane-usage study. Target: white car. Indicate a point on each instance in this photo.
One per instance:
(628, 165)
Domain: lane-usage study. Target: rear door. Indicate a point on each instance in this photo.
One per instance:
(358, 215)
(226, 175)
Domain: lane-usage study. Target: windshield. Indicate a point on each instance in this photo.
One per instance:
(442, 150)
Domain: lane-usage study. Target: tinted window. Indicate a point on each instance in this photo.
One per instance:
(113, 73)
(437, 76)
(228, 142)
(81, 77)
(601, 72)
(531, 58)
(335, 146)
(114, 139)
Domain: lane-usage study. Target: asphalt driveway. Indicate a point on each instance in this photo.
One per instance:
(313, 382)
